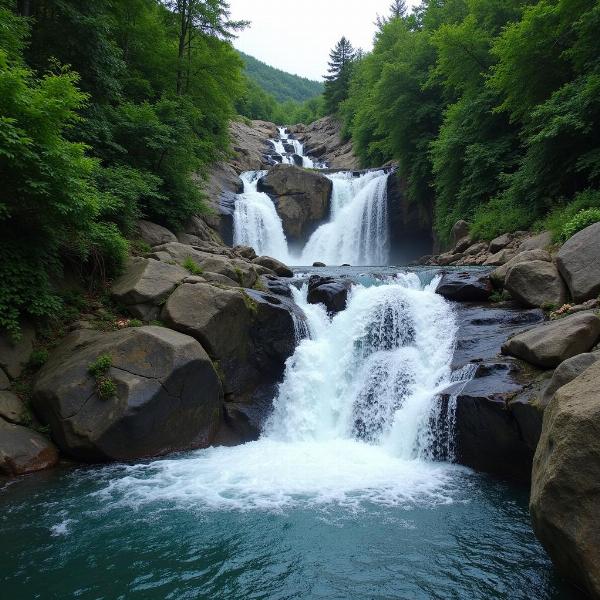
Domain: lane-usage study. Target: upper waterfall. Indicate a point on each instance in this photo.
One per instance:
(357, 231)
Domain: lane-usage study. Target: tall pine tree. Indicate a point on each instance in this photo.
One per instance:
(337, 79)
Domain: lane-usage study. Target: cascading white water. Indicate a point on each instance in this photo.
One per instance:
(298, 147)
(255, 220)
(357, 232)
(350, 421)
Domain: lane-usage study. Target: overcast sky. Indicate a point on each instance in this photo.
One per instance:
(296, 35)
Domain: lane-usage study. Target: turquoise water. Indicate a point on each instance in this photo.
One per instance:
(69, 534)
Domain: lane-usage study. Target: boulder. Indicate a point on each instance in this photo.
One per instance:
(500, 258)
(168, 396)
(549, 344)
(301, 198)
(245, 252)
(565, 494)
(319, 264)
(565, 373)
(579, 263)
(145, 285)
(499, 275)
(154, 234)
(465, 286)
(274, 265)
(331, 292)
(462, 244)
(24, 451)
(536, 283)
(14, 355)
(500, 242)
(196, 231)
(536, 242)
(248, 334)
(477, 248)
(459, 230)
(12, 409)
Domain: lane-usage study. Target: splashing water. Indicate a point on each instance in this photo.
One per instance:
(350, 421)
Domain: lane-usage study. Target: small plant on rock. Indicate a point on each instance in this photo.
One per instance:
(105, 386)
(192, 266)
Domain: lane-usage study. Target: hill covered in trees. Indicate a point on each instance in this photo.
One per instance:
(279, 84)
(491, 109)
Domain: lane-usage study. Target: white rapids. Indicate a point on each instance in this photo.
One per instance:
(351, 423)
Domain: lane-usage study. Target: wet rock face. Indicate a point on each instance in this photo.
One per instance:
(301, 198)
(331, 292)
(465, 286)
(167, 395)
(579, 263)
(565, 495)
(549, 344)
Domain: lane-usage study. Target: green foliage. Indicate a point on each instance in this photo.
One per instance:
(192, 266)
(106, 388)
(581, 220)
(38, 358)
(559, 220)
(339, 72)
(281, 86)
(135, 323)
(491, 110)
(100, 366)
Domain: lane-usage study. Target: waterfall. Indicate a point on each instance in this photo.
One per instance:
(357, 232)
(256, 222)
(351, 420)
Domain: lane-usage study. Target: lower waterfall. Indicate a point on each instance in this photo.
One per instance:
(352, 418)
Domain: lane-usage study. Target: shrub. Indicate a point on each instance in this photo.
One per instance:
(38, 358)
(106, 388)
(101, 365)
(558, 220)
(583, 219)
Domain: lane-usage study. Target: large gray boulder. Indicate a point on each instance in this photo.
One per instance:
(565, 491)
(145, 285)
(154, 234)
(274, 265)
(536, 283)
(248, 334)
(460, 230)
(579, 263)
(551, 343)
(331, 292)
(23, 450)
(565, 373)
(500, 242)
(168, 395)
(537, 242)
(14, 355)
(301, 198)
(498, 275)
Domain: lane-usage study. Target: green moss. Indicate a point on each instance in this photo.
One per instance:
(251, 305)
(140, 247)
(135, 323)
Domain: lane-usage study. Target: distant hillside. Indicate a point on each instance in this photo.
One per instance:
(283, 86)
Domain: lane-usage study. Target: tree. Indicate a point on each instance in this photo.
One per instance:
(397, 10)
(337, 79)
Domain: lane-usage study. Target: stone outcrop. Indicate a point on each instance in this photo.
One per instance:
(274, 265)
(323, 140)
(24, 451)
(167, 395)
(579, 263)
(154, 234)
(536, 283)
(498, 276)
(12, 409)
(301, 199)
(460, 230)
(549, 344)
(331, 292)
(248, 334)
(145, 285)
(465, 286)
(541, 241)
(565, 495)
(565, 373)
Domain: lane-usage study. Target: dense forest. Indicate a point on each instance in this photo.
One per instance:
(107, 109)
(281, 85)
(490, 108)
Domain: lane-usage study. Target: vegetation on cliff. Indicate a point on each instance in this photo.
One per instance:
(491, 109)
(106, 111)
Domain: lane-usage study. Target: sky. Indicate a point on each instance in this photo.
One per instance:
(297, 35)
